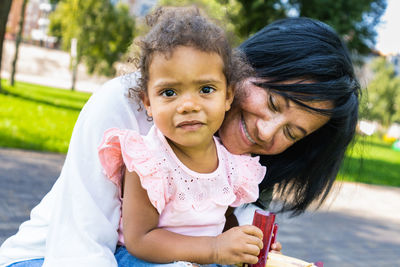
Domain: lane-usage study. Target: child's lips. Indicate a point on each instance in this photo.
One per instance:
(190, 125)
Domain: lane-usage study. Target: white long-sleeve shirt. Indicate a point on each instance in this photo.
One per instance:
(76, 222)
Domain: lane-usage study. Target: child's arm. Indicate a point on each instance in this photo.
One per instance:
(144, 240)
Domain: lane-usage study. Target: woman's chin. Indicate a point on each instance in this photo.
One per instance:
(232, 142)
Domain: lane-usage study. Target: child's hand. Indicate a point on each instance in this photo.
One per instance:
(276, 247)
(238, 244)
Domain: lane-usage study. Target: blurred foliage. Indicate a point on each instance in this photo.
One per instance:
(215, 10)
(383, 99)
(103, 30)
(256, 14)
(354, 20)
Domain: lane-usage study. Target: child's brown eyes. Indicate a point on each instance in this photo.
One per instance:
(207, 90)
(168, 93)
(172, 92)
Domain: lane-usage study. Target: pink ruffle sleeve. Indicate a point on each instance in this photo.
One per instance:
(126, 148)
(251, 173)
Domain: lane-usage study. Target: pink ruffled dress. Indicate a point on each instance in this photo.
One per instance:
(188, 202)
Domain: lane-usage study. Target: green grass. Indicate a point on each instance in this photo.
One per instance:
(37, 117)
(372, 161)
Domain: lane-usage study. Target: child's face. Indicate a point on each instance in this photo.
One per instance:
(187, 95)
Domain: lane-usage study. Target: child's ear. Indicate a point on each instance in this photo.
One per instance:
(230, 94)
(146, 103)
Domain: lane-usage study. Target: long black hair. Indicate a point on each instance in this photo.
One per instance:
(309, 50)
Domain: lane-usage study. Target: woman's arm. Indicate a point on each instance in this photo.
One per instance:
(76, 223)
(145, 240)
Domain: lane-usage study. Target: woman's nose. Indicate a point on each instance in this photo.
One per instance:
(269, 127)
(188, 103)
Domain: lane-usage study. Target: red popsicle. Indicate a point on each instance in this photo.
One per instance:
(273, 238)
(265, 221)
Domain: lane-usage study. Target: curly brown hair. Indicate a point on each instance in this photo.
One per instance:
(185, 26)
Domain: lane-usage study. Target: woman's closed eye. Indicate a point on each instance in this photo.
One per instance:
(168, 93)
(273, 103)
(207, 89)
(289, 134)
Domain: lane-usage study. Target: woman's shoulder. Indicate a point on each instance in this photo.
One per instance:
(110, 107)
(115, 90)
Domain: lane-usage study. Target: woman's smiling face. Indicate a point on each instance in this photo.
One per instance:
(266, 123)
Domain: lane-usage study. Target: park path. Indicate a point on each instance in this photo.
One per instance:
(358, 226)
(46, 66)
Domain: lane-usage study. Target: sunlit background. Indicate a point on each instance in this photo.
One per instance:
(388, 41)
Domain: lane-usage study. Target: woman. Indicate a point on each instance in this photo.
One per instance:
(302, 61)
(299, 112)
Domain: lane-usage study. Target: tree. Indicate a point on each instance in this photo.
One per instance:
(17, 42)
(383, 93)
(221, 12)
(355, 20)
(4, 10)
(103, 31)
(254, 15)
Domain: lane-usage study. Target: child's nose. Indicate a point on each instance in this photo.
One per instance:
(188, 103)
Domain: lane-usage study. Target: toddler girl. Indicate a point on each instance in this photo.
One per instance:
(178, 181)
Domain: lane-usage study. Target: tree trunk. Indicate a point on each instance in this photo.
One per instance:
(75, 58)
(17, 42)
(4, 10)
(74, 73)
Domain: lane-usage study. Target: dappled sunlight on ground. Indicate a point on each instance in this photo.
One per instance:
(366, 201)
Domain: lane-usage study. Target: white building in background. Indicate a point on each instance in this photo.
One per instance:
(36, 22)
(39, 33)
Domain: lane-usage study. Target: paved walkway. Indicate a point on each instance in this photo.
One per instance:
(46, 66)
(25, 177)
(359, 226)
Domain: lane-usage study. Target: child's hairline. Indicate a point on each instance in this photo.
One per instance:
(212, 38)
